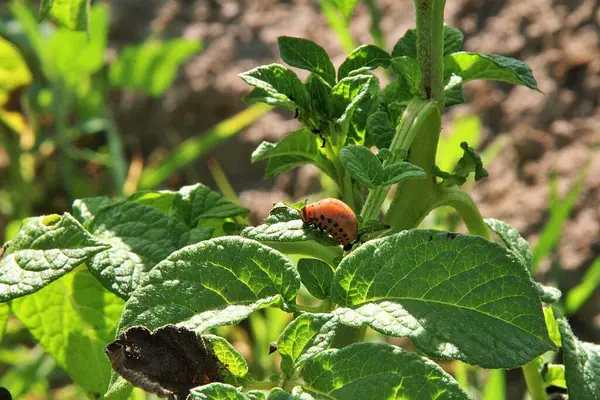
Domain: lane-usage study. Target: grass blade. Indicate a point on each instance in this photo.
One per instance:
(196, 147)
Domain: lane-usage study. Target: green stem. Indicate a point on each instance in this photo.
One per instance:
(406, 131)
(534, 381)
(430, 47)
(466, 208)
(414, 199)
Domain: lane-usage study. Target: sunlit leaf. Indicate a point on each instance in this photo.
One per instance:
(215, 282)
(73, 14)
(306, 54)
(73, 319)
(303, 338)
(455, 296)
(472, 66)
(378, 371)
(45, 249)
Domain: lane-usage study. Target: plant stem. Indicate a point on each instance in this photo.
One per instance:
(406, 131)
(533, 379)
(414, 199)
(430, 47)
(466, 208)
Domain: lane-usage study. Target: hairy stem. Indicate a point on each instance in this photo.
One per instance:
(430, 47)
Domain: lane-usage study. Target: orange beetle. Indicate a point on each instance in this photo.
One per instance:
(333, 216)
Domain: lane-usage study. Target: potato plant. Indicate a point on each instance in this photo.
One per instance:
(80, 280)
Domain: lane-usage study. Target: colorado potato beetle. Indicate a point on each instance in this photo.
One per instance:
(333, 216)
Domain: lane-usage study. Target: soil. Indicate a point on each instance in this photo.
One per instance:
(556, 132)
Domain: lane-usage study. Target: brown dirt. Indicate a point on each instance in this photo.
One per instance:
(545, 133)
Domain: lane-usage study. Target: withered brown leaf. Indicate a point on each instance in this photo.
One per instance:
(168, 362)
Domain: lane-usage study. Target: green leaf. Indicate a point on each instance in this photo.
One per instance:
(73, 319)
(555, 376)
(72, 14)
(317, 276)
(582, 365)
(279, 83)
(548, 294)
(204, 204)
(212, 283)
(364, 58)
(73, 56)
(380, 129)
(258, 95)
(512, 240)
(347, 94)
(346, 7)
(256, 395)
(408, 68)
(301, 143)
(140, 236)
(366, 168)
(306, 54)
(362, 165)
(472, 66)
(14, 72)
(464, 129)
(453, 40)
(305, 337)
(151, 67)
(406, 45)
(4, 313)
(455, 296)
(228, 355)
(285, 225)
(318, 91)
(45, 249)
(401, 171)
(297, 394)
(453, 92)
(277, 165)
(578, 295)
(85, 209)
(357, 128)
(552, 325)
(378, 371)
(216, 391)
(469, 162)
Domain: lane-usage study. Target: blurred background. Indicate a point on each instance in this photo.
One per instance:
(152, 100)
